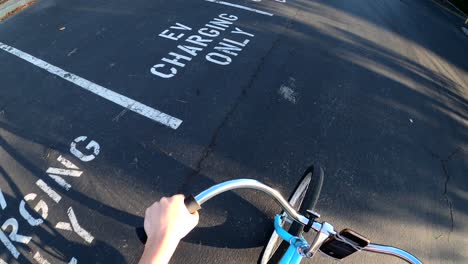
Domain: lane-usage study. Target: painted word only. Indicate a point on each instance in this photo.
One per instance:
(191, 45)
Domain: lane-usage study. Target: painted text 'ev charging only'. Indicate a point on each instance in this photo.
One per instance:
(222, 53)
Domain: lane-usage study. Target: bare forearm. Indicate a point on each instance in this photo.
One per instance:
(159, 250)
(166, 223)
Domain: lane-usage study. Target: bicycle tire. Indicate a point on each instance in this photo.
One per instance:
(310, 199)
(302, 198)
(295, 200)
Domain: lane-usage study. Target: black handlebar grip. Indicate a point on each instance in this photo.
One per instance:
(192, 206)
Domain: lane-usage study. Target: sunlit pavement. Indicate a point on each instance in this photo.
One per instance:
(107, 106)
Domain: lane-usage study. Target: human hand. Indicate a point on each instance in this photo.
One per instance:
(169, 219)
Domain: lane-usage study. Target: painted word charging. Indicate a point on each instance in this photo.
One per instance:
(193, 44)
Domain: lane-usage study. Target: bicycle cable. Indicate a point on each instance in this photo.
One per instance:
(347, 241)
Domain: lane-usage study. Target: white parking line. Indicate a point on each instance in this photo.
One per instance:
(105, 93)
(241, 7)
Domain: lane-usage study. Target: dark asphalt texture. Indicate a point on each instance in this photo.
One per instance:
(375, 91)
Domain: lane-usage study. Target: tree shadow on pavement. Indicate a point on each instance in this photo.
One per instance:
(388, 126)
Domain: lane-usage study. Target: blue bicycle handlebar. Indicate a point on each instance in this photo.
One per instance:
(194, 204)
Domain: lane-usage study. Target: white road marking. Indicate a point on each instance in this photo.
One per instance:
(71, 52)
(63, 226)
(52, 194)
(41, 260)
(31, 220)
(77, 228)
(2, 261)
(14, 231)
(41, 206)
(13, 250)
(92, 145)
(105, 93)
(64, 172)
(67, 163)
(241, 7)
(288, 93)
(3, 203)
(60, 181)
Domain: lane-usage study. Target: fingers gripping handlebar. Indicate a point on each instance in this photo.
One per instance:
(192, 206)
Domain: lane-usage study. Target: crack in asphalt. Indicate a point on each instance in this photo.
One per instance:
(444, 164)
(446, 196)
(209, 149)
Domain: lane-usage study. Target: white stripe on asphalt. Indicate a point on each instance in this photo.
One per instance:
(49, 191)
(241, 7)
(105, 93)
(3, 203)
(40, 259)
(67, 163)
(65, 172)
(63, 226)
(60, 181)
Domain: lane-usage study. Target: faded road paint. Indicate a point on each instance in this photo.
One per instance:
(103, 92)
(241, 7)
(75, 226)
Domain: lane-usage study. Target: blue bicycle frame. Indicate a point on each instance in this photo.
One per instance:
(292, 255)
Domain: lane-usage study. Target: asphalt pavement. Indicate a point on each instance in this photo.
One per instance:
(106, 107)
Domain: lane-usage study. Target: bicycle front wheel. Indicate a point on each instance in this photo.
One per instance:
(304, 197)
